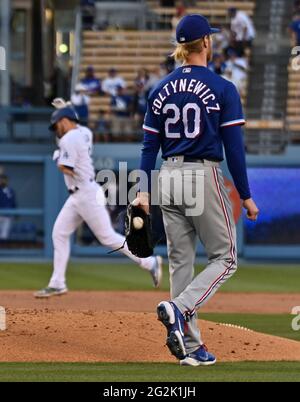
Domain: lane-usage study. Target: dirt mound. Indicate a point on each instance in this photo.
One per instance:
(137, 301)
(95, 336)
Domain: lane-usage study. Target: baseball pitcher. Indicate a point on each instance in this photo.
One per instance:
(86, 201)
(192, 114)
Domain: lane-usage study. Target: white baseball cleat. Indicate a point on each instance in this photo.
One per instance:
(49, 292)
(200, 357)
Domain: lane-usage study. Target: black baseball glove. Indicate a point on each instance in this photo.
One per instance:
(139, 241)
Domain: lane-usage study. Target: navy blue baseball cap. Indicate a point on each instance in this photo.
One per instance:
(66, 112)
(193, 27)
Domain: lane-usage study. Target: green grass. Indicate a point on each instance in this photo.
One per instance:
(141, 372)
(91, 276)
(273, 324)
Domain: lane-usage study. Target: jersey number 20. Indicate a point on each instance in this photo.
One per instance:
(190, 131)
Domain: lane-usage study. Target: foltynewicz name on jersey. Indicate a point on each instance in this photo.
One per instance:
(193, 86)
(194, 112)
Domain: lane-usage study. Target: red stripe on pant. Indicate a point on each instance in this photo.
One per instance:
(232, 246)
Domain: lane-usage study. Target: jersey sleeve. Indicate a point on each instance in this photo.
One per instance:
(236, 159)
(232, 111)
(151, 123)
(68, 152)
(151, 146)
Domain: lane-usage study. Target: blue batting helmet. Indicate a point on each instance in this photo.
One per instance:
(66, 112)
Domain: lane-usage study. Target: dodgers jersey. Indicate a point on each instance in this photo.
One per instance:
(75, 152)
(194, 112)
(187, 110)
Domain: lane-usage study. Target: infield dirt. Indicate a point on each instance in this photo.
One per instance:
(121, 327)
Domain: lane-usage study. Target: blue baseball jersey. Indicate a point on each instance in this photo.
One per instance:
(194, 112)
(7, 198)
(187, 110)
(295, 27)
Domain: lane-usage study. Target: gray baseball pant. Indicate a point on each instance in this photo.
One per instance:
(214, 227)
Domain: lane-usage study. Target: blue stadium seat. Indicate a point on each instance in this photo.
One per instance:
(4, 133)
(24, 232)
(21, 131)
(40, 130)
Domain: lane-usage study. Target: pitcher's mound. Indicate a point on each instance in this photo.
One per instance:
(89, 336)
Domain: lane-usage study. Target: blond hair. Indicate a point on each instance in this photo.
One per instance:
(183, 50)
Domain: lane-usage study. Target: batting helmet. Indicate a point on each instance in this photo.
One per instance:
(66, 112)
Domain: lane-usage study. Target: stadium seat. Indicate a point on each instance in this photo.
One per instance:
(293, 102)
(215, 10)
(40, 131)
(23, 232)
(128, 51)
(21, 131)
(4, 132)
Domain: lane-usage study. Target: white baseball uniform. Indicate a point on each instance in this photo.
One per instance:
(238, 25)
(83, 205)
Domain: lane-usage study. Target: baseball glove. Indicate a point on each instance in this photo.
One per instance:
(139, 241)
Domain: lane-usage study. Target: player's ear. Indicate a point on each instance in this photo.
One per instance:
(206, 41)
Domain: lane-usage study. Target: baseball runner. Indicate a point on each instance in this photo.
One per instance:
(191, 115)
(86, 201)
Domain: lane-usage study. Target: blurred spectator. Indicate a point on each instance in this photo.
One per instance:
(7, 201)
(221, 40)
(294, 29)
(142, 77)
(297, 6)
(91, 83)
(102, 129)
(169, 64)
(154, 78)
(112, 82)
(167, 3)
(121, 104)
(180, 12)
(88, 10)
(236, 70)
(139, 106)
(81, 102)
(21, 101)
(243, 30)
(163, 70)
(59, 83)
(218, 64)
(189, 3)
